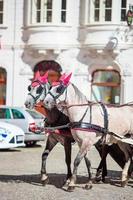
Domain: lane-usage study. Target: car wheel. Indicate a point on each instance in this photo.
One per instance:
(30, 143)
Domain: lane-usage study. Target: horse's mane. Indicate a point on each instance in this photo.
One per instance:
(80, 95)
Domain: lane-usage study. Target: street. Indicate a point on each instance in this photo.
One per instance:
(20, 176)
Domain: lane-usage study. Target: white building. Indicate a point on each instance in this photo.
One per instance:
(90, 38)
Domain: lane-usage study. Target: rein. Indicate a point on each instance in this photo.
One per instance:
(84, 127)
(93, 103)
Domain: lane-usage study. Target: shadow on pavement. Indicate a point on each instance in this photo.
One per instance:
(58, 179)
(10, 150)
(18, 149)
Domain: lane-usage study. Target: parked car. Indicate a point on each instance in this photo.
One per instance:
(11, 136)
(30, 121)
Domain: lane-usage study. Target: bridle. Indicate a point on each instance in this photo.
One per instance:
(42, 89)
(61, 90)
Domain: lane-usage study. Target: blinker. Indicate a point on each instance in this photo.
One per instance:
(29, 88)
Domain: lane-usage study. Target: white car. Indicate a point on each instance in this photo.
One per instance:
(11, 136)
(31, 121)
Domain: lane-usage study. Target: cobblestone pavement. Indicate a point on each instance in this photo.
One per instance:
(20, 177)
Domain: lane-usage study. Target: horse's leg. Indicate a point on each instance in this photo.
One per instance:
(77, 161)
(68, 149)
(85, 146)
(102, 168)
(88, 165)
(50, 144)
(128, 155)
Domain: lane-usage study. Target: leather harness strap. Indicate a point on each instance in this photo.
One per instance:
(87, 126)
(84, 125)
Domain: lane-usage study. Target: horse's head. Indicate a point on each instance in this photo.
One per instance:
(37, 90)
(57, 93)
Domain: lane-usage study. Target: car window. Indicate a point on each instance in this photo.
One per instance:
(17, 114)
(5, 113)
(35, 114)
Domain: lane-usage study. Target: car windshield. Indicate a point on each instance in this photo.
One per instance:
(35, 114)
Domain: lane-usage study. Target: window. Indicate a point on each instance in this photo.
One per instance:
(38, 11)
(108, 10)
(97, 10)
(41, 11)
(5, 113)
(3, 77)
(102, 10)
(123, 10)
(48, 11)
(17, 114)
(63, 11)
(48, 8)
(1, 11)
(106, 86)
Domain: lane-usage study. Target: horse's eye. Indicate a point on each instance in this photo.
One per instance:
(39, 89)
(29, 88)
(60, 89)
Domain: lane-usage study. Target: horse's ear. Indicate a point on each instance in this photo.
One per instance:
(44, 78)
(37, 75)
(66, 79)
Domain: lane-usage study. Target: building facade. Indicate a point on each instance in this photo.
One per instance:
(90, 38)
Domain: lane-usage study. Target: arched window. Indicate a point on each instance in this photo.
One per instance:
(2, 86)
(106, 86)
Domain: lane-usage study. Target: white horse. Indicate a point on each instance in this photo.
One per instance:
(37, 91)
(76, 105)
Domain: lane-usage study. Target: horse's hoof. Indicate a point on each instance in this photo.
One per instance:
(65, 184)
(97, 179)
(45, 182)
(103, 180)
(88, 186)
(70, 188)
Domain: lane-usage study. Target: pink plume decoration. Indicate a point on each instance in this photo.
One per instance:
(66, 79)
(43, 79)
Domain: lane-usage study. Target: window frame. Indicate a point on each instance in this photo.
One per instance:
(42, 11)
(89, 17)
(102, 10)
(56, 13)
